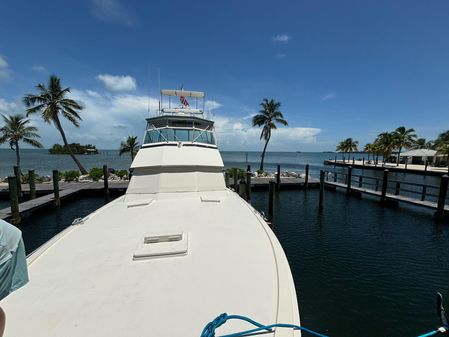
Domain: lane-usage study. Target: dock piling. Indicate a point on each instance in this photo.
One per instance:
(335, 176)
(423, 193)
(442, 197)
(271, 188)
(406, 162)
(425, 167)
(32, 182)
(236, 185)
(321, 200)
(360, 181)
(397, 188)
(363, 161)
(306, 179)
(248, 186)
(57, 201)
(353, 161)
(349, 180)
(105, 179)
(384, 186)
(14, 200)
(278, 178)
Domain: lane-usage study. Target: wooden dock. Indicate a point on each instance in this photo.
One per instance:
(403, 191)
(70, 190)
(389, 196)
(67, 190)
(402, 168)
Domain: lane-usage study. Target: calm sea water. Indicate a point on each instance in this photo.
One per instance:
(359, 269)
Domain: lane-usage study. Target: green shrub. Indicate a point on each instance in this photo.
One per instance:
(96, 173)
(241, 174)
(259, 172)
(121, 173)
(70, 175)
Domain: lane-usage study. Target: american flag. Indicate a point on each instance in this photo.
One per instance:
(183, 99)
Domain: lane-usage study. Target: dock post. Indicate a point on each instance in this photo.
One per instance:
(18, 176)
(335, 161)
(384, 187)
(349, 180)
(397, 188)
(363, 161)
(57, 201)
(226, 179)
(406, 162)
(236, 179)
(335, 176)
(14, 200)
(306, 179)
(320, 205)
(271, 188)
(425, 167)
(360, 181)
(353, 161)
(278, 178)
(32, 181)
(248, 168)
(442, 197)
(423, 193)
(105, 179)
(377, 184)
(248, 186)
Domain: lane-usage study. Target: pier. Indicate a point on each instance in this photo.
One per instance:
(51, 193)
(393, 167)
(389, 190)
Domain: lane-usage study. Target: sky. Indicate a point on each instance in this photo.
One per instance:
(339, 68)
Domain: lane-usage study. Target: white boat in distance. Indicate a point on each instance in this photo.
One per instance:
(178, 249)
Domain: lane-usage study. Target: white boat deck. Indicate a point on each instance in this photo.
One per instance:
(86, 283)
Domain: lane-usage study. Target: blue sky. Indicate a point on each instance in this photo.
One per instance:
(340, 68)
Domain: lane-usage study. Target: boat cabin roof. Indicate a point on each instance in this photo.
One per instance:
(179, 121)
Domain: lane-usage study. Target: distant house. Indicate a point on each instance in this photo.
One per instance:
(418, 156)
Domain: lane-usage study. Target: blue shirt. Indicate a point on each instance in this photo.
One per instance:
(13, 265)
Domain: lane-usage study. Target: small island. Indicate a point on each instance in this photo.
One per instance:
(76, 148)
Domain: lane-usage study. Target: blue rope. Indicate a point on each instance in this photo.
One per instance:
(209, 329)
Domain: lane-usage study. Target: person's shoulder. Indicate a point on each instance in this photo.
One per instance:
(10, 235)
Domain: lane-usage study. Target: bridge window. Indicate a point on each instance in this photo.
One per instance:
(179, 135)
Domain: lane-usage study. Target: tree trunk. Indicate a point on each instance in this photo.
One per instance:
(263, 153)
(64, 139)
(17, 154)
(132, 155)
(399, 155)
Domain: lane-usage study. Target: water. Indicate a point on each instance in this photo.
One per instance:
(359, 269)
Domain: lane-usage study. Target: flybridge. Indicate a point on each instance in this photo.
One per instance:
(181, 102)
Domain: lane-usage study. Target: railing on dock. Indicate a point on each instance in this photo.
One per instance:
(426, 195)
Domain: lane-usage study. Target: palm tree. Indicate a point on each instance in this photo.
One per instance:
(422, 143)
(403, 138)
(52, 102)
(348, 145)
(369, 148)
(17, 129)
(444, 150)
(267, 118)
(443, 138)
(385, 143)
(131, 145)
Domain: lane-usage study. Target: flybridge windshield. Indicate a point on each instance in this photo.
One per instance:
(179, 135)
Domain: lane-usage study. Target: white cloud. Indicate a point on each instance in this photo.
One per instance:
(238, 134)
(282, 38)
(329, 96)
(212, 105)
(4, 68)
(118, 83)
(7, 107)
(281, 56)
(39, 69)
(113, 11)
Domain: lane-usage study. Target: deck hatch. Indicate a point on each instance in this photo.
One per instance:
(162, 245)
